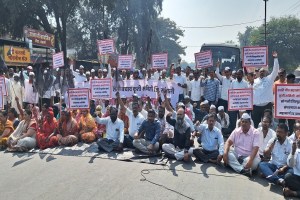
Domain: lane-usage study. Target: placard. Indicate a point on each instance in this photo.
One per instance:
(79, 98)
(101, 88)
(125, 62)
(106, 46)
(287, 101)
(256, 56)
(160, 61)
(204, 59)
(240, 99)
(1, 99)
(58, 60)
(3, 86)
(40, 38)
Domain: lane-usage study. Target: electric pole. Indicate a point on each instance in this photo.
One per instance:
(265, 21)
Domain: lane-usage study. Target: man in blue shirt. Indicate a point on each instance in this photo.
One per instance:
(146, 139)
(211, 88)
(212, 141)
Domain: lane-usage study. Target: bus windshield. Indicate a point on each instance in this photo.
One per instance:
(228, 55)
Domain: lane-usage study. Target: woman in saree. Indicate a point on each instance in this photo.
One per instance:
(87, 127)
(67, 130)
(24, 137)
(6, 128)
(45, 137)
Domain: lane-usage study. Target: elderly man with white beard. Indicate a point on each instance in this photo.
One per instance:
(180, 146)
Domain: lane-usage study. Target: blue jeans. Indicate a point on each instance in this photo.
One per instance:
(268, 169)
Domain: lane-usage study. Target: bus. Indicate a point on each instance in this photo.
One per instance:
(229, 55)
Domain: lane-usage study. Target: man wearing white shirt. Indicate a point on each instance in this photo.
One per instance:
(114, 132)
(266, 134)
(79, 76)
(224, 119)
(296, 132)
(292, 180)
(196, 89)
(278, 148)
(31, 95)
(226, 84)
(135, 118)
(262, 91)
(181, 82)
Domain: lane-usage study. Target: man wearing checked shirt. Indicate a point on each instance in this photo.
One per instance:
(211, 90)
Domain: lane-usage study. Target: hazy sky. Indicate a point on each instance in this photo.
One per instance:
(219, 12)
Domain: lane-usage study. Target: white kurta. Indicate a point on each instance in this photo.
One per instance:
(16, 91)
(29, 95)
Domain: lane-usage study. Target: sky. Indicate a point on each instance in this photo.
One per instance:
(203, 13)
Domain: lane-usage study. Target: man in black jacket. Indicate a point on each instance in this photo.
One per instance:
(180, 147)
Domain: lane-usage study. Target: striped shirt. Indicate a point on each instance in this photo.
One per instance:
(211, 90)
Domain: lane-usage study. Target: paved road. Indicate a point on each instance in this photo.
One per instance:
(34, 176)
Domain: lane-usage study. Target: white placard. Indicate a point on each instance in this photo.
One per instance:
(3, 86)
(287, 101)
(203, 59)
(240, 99)
(160, 61)
(101, 88)
(106, 46)
(58, 60)
(79, 98)
(125, 62)
(256, 56)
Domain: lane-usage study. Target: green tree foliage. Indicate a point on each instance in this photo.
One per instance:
(283, 37)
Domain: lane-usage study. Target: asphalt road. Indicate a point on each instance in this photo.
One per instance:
(34, 176)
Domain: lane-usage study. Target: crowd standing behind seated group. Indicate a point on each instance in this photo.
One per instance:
(246, 141)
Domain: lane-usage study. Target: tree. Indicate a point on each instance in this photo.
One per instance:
(283, 37)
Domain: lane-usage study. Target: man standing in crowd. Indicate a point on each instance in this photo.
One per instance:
(181, 82)
(31, 95)
(226, 84)
(211, 88)
(262, 91)
(196, 89)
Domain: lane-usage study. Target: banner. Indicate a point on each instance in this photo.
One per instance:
(3, 86)
(14, 54)
(1, 99)
(101, 88)
(240, 99)
(204, 59)
(58, 60)
(40, 38)
(79, 98)
(106, 46)
(287, 101)
(256, 56)
(145, 88)
(160, 61)
(125, 62)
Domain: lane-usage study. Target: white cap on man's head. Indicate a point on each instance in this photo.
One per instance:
(29, 67)
(88, 73)
(104, 70)
(31, 73)
(57, 69)
(227, 68)
(221, 108)
(186, 97)
(245, 116)
(81, 67)
(212, 107)
(92, 70)
(205, 102)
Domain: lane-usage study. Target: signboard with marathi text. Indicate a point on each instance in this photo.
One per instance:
(160, 61)
(240, 99)
(106, 46)
(101, 88)
(287, 101)
(79, 98)
(58, 60)
(256, 56)
(40, 38)
(203, 59)
(125, 62)
(14, 54)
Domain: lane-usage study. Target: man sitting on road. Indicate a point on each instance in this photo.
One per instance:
(147, 137)
(266, 134)
(245, 141)
(180, 147)
(212, 141)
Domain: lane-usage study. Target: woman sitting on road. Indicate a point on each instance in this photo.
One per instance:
(87, 127)
(45, 136)
(67, 129)
(24, 137)
(6, 128)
